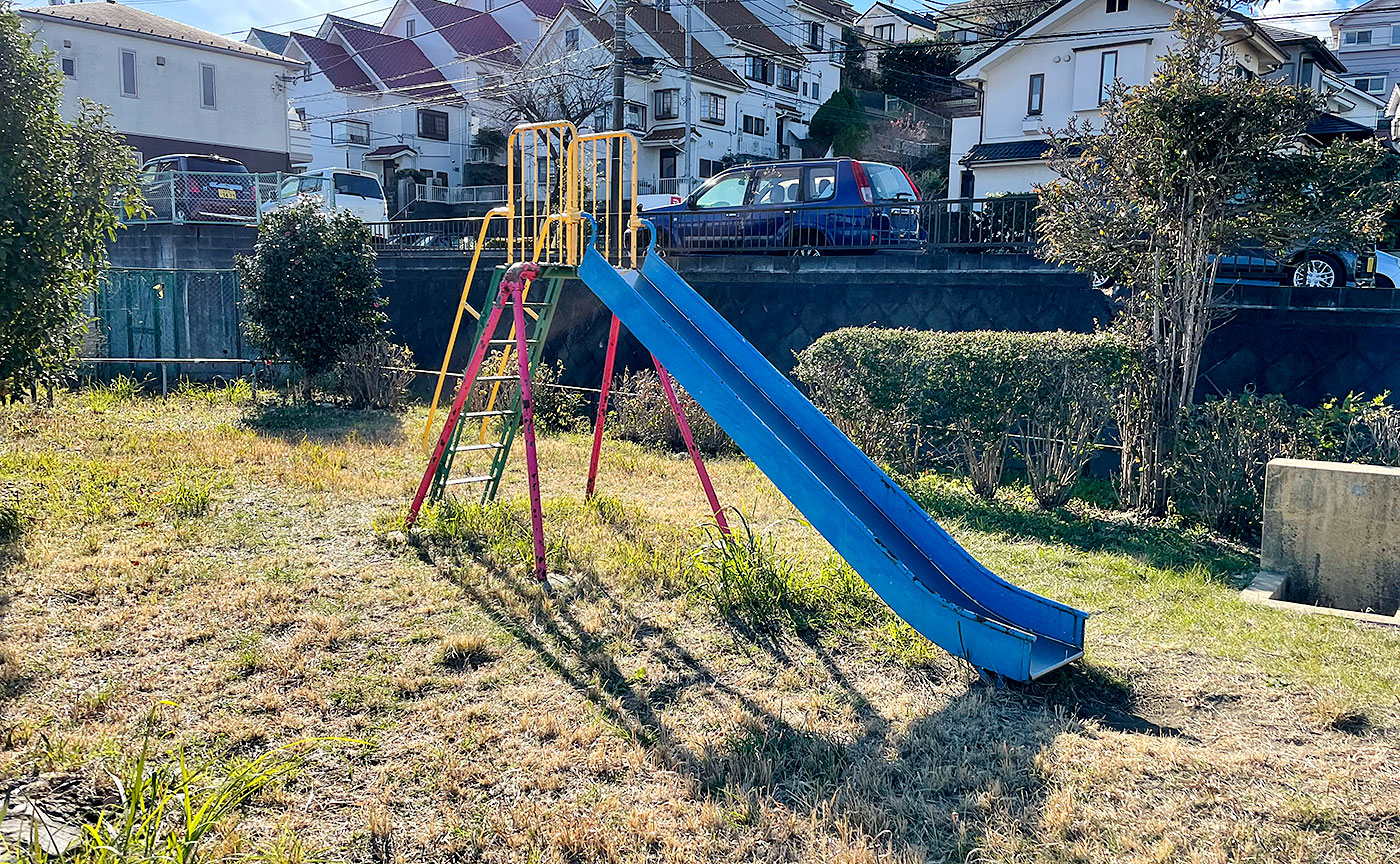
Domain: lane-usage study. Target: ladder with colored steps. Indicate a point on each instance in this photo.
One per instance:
(483, 437)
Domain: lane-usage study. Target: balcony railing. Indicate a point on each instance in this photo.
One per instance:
(668, 186)
(459, 194)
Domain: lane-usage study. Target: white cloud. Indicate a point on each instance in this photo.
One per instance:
(1312, 16)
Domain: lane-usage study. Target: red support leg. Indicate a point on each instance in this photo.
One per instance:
(690, 445)
(473, 368)
(527, 422)
(602, 407)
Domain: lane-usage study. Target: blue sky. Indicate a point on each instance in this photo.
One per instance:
(236, 16)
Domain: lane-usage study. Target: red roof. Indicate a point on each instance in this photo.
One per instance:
(550, 9)
(339, 68)
(474, 34)
(398, 63)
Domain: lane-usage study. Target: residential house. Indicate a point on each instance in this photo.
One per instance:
(1062, 65)
(171, 88)
(1392, 113)
(1313, 66)
(525, 20)
(1367, 39)
(376, 102)
(892, 25)
(750, 94)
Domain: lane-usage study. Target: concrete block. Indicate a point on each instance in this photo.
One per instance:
(1333, 530)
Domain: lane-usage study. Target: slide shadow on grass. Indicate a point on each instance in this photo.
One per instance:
(906, 789)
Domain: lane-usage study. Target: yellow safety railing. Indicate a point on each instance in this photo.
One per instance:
(553, 176)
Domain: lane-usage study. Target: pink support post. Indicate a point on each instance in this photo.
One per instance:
(602, 407)
(690, 445)
(527, 421)
(473, 368)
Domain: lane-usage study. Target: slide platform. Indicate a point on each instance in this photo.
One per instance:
(907, 559)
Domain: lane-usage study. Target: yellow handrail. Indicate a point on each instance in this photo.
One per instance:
(457, 322)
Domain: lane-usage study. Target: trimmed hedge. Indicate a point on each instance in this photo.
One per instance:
(908, 396)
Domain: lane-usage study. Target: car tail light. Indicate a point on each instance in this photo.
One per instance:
(192, 185)
(867, 194)
(917, 196)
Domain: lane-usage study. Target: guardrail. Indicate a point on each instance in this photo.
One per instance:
(996, 225)
(459, 194)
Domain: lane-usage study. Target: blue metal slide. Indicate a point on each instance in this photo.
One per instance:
(913, 564)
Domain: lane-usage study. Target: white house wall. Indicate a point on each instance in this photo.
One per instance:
(250, 110)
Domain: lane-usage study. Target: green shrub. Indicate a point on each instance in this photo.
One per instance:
(311, 287)
(640, 412)
(557, 408)
(904, 396)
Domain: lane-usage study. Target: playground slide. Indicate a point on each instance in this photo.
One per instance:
(910, 562)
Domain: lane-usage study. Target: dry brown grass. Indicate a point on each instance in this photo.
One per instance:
(619, 719)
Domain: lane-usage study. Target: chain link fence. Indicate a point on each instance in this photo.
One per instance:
(149, 315)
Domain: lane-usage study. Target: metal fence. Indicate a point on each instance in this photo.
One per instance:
(169, 314)
(993, 225)
(179, 197)
(459, 194)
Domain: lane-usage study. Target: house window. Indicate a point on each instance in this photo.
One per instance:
(884, 31)
(754, 126)
(711, 108)
(1305, 74)
(1117, 6)
(432, 125)
(1395, 34)
(491, 85)
(1108, 71)
(68, 68)
(1371, 84)
(709, 168)
(1356, 37)
(668, 164)
(350, 132)
(635, 117)
(410, 28)
(206, 87)
(1035, 98)
(967, 184)
(816, 90)
(836, 53)
(787, 78)
(128, 73)
(663, 104)
(571, 39)
(816, 34)
(758, 69)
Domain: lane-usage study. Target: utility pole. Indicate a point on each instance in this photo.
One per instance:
(689, 61)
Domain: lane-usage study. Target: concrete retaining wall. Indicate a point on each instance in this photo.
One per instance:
(1333, 530)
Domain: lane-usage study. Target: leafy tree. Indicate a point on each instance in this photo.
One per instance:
(311, 289)
(1184, 169)
(854, 73)
(918, 70)
(840, 124)
(58, 183)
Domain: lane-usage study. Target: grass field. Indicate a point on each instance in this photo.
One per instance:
(219, 574)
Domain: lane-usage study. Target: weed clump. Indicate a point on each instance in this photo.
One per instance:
(463, 651)
(188, 498)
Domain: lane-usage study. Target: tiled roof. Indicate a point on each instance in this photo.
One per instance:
(338, 66)
(1283, 38)
(274, 42)
(398, 63)
(389, 150)
(665, 31)
(837, 9)
(603, 32)
(471, 33)
(550, 9)
(1006, 151)
(925, 21)
(351, 22)
(115, 16)
(1329, 127)
(737, 22)
(674, 134)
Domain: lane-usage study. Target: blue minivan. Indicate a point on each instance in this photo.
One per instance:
(811, 207)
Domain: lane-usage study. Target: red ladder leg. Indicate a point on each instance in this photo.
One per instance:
(527, 422)
(602, 407)
(690, 445)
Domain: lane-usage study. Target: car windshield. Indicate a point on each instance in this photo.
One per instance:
(889, 183)
(214, 166)
(357, 184)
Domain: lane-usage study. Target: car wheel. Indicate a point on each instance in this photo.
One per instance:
(1317, 273)
(806, 250)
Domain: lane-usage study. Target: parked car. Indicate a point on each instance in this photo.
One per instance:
(1309, 268)
(810, 207)
(357, 192)
(185, 186)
